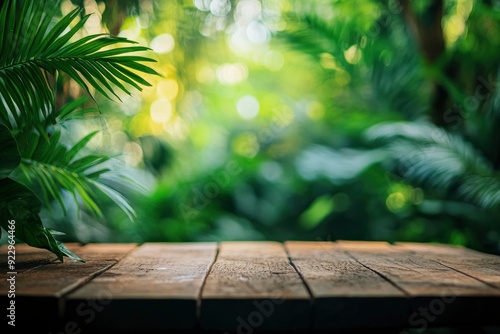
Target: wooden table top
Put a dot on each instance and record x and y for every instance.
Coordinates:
(247, 287)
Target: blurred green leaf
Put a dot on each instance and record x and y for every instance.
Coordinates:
(19, 204)
(316, 212)
(10, 154)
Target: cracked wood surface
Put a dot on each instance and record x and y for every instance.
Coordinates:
(251, 278)
(343, 288)
(250, 286)
(484, 267)
(40, 289)
(157, 284)
(439, 294)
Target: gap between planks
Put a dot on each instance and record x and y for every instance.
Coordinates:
(198, 301)
(390, 263)
(41, 287)
(343, 289)
(158, 284)
(253, 285)
(457, 298)
(480, 266)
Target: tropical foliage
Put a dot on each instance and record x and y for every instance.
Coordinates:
(36, 53)
(316, 120)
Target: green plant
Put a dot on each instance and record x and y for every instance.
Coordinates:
(405, 60)
(35, 52)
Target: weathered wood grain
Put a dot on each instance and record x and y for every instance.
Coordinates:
(484, 267)
(252, 286)
(38, 291)
(343, 289)
(28, 257)
(157, 286)
(419, 274)
(449, 295)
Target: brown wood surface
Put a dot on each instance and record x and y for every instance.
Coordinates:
(28, 257)
(343, 289)
(39, 290)
(416, 274)
(439, 294)
(484, 267)
(253, 286)
(157, 286)
(246, 287)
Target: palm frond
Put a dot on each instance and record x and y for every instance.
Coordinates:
(10, 154)
(53, 166)
(482, 190)
(429, 139)
(33, 48)
(314, 36)
(20, 205)
(433, 157)
(387, 81)
(70, 110)
(317, 27)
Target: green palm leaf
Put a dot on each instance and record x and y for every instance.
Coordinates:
(431, 156)
(53, 166)
(33, 51)
(10, 153)
(33, 48)
(20, 205)
(482, 190)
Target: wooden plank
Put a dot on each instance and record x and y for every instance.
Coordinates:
(38, 291)
(450, 296)
(484, 267)
(253, 286)
(158, 286)
(28, 257)
(412, 269)
(344, 290)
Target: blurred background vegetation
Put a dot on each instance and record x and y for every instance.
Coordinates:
(310, 120)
